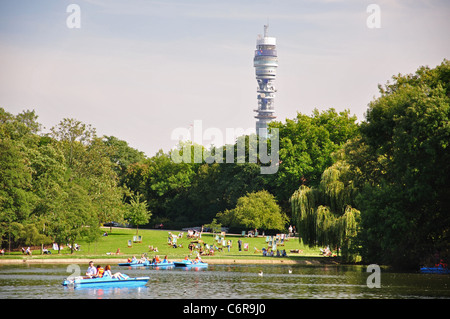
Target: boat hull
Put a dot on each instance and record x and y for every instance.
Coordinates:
(434, 270)
(106, 282)
(135, 264)
(168, 264)
(147, 264)
(189, 264)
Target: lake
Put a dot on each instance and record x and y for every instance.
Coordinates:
(32, 281)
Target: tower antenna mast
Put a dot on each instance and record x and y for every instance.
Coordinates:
(265, 63)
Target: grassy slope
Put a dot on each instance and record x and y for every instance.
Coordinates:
(118, 239)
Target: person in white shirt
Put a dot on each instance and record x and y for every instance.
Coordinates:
(91, 271)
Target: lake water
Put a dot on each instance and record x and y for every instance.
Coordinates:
(31, 281)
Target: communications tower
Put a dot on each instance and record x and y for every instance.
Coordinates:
(265, 63)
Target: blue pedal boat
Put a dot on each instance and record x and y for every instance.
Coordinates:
(106, 282)
(163, 264)
(190, 263)
(434, 270)
(147, 264)
(136, 264)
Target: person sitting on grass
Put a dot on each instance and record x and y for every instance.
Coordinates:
(264, 251)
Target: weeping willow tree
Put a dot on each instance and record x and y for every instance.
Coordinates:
(324, 215)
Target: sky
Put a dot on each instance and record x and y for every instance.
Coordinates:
(138, 70)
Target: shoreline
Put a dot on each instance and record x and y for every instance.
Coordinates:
(231, 261)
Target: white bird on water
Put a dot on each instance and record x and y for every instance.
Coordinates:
(260, 273)
(290, 271)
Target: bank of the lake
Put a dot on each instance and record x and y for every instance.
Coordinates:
(215, 261)
(119, 244)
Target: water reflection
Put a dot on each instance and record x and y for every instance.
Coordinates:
(226, 282)
(106, 293)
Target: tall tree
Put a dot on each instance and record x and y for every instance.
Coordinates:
(306, 147)
(137, 213)
(405, 199)
(324, 214)
(258, 210)
(90, 172)
(122, 155)
(73, 135)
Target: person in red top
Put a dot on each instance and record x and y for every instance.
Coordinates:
(100, 271)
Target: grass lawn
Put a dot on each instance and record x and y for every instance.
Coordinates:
(118, 239)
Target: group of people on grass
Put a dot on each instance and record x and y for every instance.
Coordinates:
(271, 253)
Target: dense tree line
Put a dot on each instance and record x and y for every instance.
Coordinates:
(68, 182)
(401, 164)
(391, 183)
(187, 194)
(56, 187)
(379, 189)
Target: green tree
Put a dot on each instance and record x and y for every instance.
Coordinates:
(73, 135)
(217, 187)
(16, 197)
(324, 214)
(89, 165)
(214, 226)
(122, 155)
(306, 147)
(405, 196)
(257, 210)
(161, 182)
(30, 235)
(137, 213)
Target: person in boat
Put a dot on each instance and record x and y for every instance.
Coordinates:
(99, 271)
(197, 260)
(143, 259)
(91, 271)
(165, 260)
(134, 260)
(109, 274)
